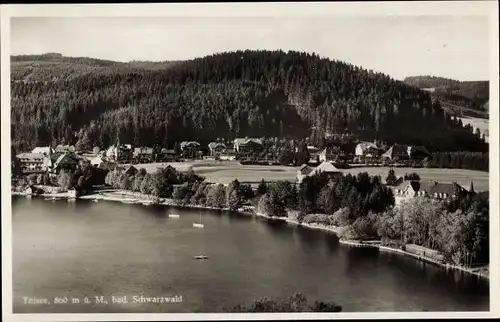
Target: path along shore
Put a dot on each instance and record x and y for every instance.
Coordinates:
(139, 198)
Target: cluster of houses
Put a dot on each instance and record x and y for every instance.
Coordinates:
(47, 160)
(43, 159)
(371, 150)
(403, 190)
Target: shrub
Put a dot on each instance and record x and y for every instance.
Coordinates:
(317, 219)
(341, 217)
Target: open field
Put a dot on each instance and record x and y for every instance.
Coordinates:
(482, 124)
(226, 171)
(461, 176)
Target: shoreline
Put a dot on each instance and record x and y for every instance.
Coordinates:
(128, 197)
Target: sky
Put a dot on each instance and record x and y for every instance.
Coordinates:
(448, 46)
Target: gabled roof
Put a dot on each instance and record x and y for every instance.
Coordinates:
(189, 144)
(396, 150)
(365, 145)
(448, 188)
(243, 141)
(326, 167)
(312, 149)
(43, 150)
(131, 169)
(415, 185)
(32, 156)
(96, 160)
(213, 145)
(64, 158)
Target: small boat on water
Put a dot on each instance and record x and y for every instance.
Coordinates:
(147, 203)
(129, 201)
(71, 199)
(201, 257)
(95, 200)
(198, 225)
(173, 216)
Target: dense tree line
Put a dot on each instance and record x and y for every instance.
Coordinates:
(460, 160)
(364, 209)
(243, 93)
(470, 94)
(295, 303)
(459, 233)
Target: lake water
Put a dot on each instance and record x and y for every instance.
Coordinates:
(87, 249)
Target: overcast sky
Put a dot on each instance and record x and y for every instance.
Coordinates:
(448, 46)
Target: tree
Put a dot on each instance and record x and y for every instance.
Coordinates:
(125, 182)
(412, 176)
(15, 166)
(200, 196)
(162, 182)
(391, 178)
(302, 156)
(233, 200)
(137, 181)
(180, 193)
(286, 156)
(147, 184)
(262, 188)
(295, 303)
(216, 196)
(63, 180)
(245, 192)
(271, 205)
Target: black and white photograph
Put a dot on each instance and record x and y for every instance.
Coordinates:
(220, 160)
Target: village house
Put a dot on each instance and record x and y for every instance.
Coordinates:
(367, 149)
(313, 154)
(143, 154)
(326, 155)
(190, 149)
(246, 148)
(216, 148)
(405, 190)
(34, 162)
(65, 162)
(166, 155)
(96, 161)
(119, 152)
(303, 172)
(443, 191)
(418, 152)
(229, 154)
(396, 153)
(325, 167)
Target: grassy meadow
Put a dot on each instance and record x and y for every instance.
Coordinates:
(226, 171)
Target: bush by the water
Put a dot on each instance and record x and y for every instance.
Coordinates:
(295, 303)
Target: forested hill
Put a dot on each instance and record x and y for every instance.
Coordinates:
(466, 98)
(61, 100)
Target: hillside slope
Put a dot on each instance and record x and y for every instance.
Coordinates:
(58, 99)
(458, 98)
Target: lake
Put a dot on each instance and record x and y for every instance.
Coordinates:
(85, 249)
